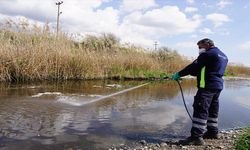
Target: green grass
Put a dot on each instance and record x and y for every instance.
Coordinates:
(243, 142)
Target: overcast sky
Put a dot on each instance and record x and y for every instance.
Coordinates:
(177, 24)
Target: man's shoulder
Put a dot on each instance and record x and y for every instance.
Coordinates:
(217, 53)
(214, 51)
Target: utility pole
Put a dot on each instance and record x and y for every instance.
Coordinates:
(155, 44)
(58, 15)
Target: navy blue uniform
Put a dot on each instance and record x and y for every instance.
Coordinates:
(209, 68)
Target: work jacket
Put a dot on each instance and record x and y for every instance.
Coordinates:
(209, 68)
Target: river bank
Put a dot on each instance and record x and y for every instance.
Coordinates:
(37, 55)
(226, 141)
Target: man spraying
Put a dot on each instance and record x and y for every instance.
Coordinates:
(209, 68)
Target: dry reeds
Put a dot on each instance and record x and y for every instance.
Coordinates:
(237, 70)
(33, 53)
(30, 53)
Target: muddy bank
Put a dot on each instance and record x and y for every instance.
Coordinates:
(226, 141)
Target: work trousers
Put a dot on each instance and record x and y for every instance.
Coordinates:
(205, 114)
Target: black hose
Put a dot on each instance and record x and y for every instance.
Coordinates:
(184, 100)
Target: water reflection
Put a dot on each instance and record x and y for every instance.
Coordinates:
(40, 114)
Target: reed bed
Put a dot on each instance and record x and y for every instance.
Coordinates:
(35, 53)
(238, 70)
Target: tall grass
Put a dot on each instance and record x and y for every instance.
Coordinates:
(238, 70)
(30, 53)
(36, 54)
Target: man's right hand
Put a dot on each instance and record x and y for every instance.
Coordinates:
(176, 76)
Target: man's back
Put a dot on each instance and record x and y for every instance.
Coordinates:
(215, 63)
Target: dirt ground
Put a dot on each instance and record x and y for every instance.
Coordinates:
(225, 142)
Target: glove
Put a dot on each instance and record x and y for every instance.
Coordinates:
(176, 76)
(163, 76)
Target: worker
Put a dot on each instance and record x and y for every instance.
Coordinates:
(208, 68)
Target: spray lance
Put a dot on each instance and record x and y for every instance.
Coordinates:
(162, 77)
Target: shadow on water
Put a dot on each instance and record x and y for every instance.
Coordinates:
(53, 115)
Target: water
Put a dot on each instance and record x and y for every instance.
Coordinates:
(99, 114)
